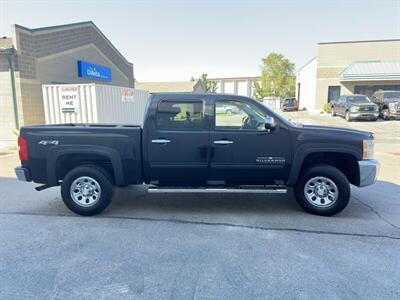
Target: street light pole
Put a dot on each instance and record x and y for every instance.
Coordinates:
(9, 52)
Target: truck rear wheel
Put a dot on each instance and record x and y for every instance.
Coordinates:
(323, 190)
(87, 190)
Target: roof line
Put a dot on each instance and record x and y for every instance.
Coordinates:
(33, 30)
(298, 70)
(234, 78)
(364, 41)
(54, 27)
(374, 60)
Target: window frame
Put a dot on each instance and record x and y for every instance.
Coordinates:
(186, 101)
(214, 126)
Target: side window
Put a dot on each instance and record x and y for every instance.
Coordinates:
(237, 115)
(180, 115)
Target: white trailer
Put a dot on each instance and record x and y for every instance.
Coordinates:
(93, 103)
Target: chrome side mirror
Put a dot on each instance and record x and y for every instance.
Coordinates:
(270, 123)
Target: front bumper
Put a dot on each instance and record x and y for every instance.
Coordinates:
(23, 174)
(394, 114)
(369, 169)
(287, 108)
(364, 115)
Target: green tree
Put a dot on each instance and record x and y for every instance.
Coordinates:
(277, 77)
(209, 85)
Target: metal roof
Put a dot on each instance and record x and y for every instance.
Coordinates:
(372, 70)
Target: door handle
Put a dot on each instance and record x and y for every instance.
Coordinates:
(161, 141)
(223, 142)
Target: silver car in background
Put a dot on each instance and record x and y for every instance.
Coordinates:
(226, 109)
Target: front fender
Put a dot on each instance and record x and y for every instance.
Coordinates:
(304, 150)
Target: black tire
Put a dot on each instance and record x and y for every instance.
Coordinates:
(347, 116)
(333, 113)
(338, 178)
(385, 114)
(101, 177)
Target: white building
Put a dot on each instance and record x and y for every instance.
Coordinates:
(306, 84)
(243, 86)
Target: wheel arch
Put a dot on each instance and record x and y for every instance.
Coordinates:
(346, 160)
(83, 155)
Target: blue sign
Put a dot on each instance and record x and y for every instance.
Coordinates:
(93, 71)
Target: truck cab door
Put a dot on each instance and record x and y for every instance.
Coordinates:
(243, 151)
(177, 142)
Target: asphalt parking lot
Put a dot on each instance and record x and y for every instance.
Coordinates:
(202, 246)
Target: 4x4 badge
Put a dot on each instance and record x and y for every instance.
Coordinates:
(48, 142)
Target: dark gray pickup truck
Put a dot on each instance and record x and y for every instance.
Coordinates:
(187, 145)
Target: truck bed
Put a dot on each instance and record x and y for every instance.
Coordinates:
(62, 145)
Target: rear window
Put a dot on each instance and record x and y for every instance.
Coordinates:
(289, 101)
(180, 115)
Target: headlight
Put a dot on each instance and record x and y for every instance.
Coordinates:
(392, 106)
(376, 108)
(354, 109)
(368, 149)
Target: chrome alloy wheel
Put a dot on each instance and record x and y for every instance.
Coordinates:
(321, 191)
(85, 191)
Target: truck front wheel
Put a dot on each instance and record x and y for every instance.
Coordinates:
(323, 190)
(348, 117)
(87, 190)
(333, 112)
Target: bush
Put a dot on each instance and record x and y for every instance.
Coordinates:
(327, 108)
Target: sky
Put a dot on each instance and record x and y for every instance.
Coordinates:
(175, 40)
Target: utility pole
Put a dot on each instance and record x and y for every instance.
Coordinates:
(9, 52)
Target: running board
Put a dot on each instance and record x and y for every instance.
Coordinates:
(218, 190)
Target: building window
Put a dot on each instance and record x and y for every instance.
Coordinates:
(242, 88)
(333, 92)
(180, 115)
(368, 90)
(229, 87)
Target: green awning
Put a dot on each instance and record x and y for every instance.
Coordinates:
(372, 70)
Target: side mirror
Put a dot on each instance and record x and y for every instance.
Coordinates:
(270, 123)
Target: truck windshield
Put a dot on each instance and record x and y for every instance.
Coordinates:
(391, 95)
(358, 99)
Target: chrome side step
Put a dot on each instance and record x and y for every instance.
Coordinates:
(218, 190)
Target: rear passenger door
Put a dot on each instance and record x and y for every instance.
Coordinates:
(178, 143)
